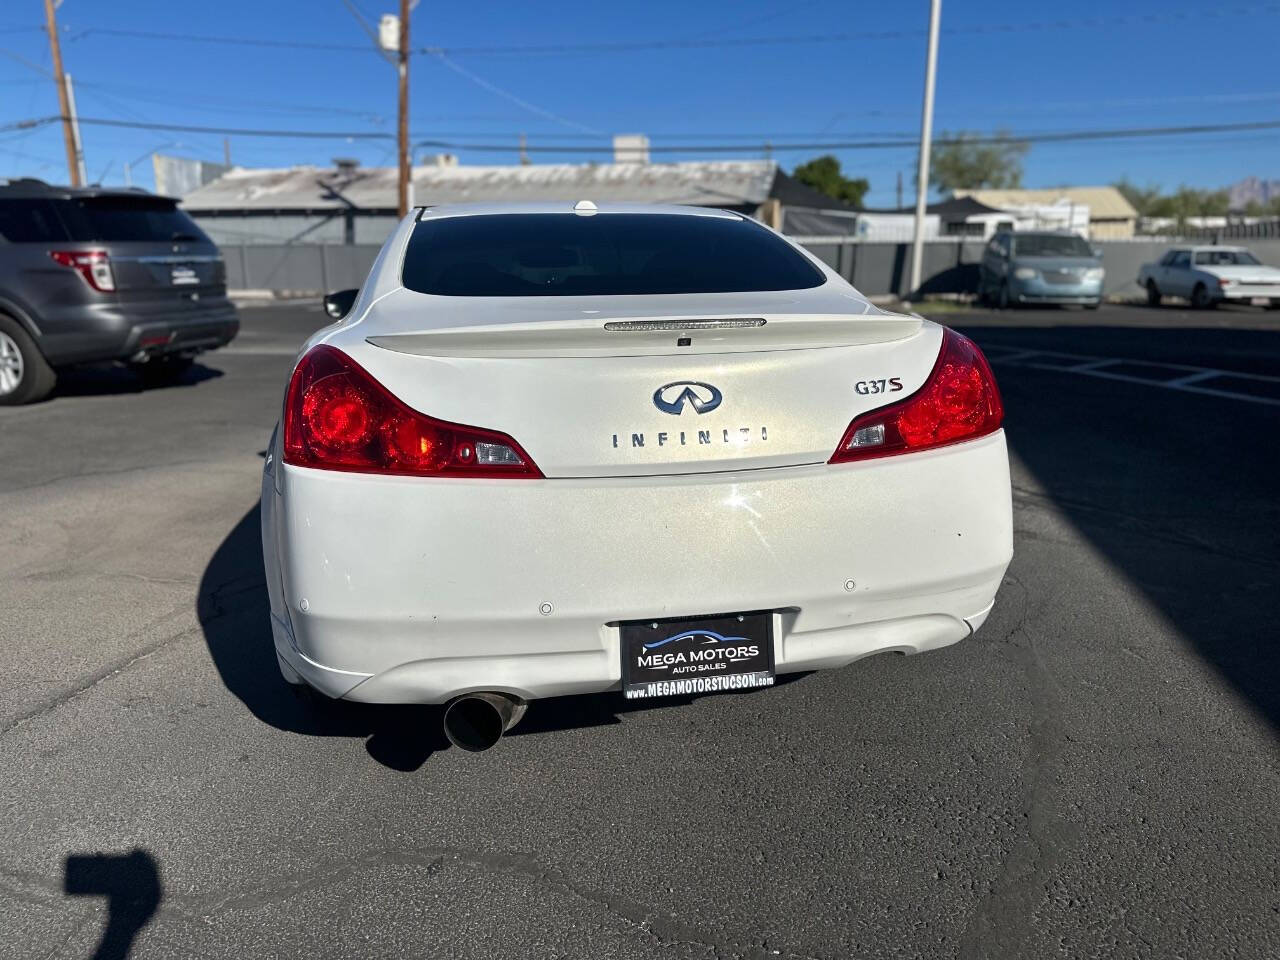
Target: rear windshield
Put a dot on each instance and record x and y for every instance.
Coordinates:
(563, 255)
(1226, 258)
(1050, 245)
(30, 221)
(125, 219)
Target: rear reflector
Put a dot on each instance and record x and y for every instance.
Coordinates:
(93, 265)
(338, 417)
(959, 401)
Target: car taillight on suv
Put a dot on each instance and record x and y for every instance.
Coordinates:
(338, 417)
(959, 401)
(93, 265)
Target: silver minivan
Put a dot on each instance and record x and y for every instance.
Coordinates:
(1040, 267)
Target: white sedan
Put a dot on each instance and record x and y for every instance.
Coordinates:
(1210, 275)
(564, 449)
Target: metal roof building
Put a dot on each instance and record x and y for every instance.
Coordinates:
(1110, 214)
(351, 204)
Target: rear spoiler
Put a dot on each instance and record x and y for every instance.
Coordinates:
(631, 336)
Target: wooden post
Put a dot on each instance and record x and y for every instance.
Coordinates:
(60, 78)
(403, 202)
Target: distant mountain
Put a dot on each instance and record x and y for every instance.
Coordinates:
(1253, 190)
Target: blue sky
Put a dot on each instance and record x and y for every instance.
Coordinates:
(1018, 66)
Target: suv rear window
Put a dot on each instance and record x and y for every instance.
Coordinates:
(124, 219)
(30, 221)
(607, 254)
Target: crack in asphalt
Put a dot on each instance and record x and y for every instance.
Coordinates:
(210, 466)
(665, 930)
(120, 664)
(1002, 922)
(91, 680)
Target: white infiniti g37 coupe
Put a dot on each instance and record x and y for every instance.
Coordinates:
(562, 449)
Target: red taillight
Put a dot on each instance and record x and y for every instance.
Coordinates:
(337, 417)
(958, 402)
(93, 265)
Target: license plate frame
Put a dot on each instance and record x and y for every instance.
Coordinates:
(183, 275)
(682, 656)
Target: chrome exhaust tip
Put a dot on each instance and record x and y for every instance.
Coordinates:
(476, 721)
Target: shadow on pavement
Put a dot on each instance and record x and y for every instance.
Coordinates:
(960, 278)
(132, 888)
(234, 613)
(1176, 490)
(606, 709)
(102, 380)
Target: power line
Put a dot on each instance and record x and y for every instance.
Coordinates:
(28, 124)
(996, 29)
(1064, 136)
(202, 38)
(511, 97)
(1001, 139)
(235, 131)
(698, 43)
(201, 102)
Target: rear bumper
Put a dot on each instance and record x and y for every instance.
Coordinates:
(408, 590)
(1035, 298)
(110, 331)
(1243, 294)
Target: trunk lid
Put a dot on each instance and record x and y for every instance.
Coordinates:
(589, 398)
(1245, 273)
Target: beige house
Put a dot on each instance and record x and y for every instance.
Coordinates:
(1110, 214)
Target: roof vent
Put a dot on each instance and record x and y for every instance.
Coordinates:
(346, 165)
(585, 208)
(630, 148)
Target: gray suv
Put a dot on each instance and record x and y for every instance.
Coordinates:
(88, 275)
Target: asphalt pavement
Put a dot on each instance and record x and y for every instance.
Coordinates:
(1094, 774)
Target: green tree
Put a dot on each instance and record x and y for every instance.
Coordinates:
(1182, 203)
(967, 164)
(1269, 209)
(1142, 199)
(823, 174)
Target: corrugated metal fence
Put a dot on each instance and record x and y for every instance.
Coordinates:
(876, 269)
(303, 268)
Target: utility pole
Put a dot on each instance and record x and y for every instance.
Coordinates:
(899, 204)
(51, 24)
(403, 67)
(926, 144)
(75, 130)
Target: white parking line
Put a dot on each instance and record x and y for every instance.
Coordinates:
(1193, 379)
(1091, 365)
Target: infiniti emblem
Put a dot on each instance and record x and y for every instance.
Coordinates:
(672, 397)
